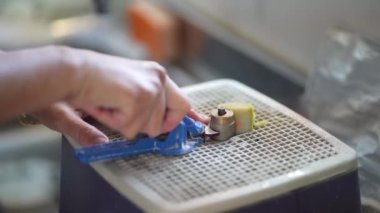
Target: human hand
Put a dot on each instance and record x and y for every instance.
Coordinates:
(62, 118)
(128, 95)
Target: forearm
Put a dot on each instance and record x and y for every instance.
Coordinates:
(33, 79)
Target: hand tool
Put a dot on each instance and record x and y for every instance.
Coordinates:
(183, 139)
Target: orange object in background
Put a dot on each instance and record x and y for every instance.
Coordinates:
(155, 28)
(191, 40)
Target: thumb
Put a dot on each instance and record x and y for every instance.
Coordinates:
(64, 119)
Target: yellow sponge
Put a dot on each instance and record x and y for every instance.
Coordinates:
(244, 115)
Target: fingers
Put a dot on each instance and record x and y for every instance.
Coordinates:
(149, 104)
(172, 119)
(136, 97)
(116, 119)
(111, 117)
(134, 119)
(140, 116)
(141, 96)
(154, 126)
(62, 118)
(198, 116)
(177, 106)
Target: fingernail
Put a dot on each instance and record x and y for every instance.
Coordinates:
(100, 140)
(204, 116)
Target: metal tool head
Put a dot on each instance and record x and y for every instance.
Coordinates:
(185, 137)
(210, 132)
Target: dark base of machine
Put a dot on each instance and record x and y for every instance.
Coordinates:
(83, 190)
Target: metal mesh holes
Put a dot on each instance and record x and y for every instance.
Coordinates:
(282, 146)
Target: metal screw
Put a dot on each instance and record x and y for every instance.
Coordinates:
(221, 111)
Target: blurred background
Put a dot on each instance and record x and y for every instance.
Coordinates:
(302, 53)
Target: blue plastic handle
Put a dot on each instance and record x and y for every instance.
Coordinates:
(176, 143)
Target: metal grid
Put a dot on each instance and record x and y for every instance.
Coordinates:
(282, 146)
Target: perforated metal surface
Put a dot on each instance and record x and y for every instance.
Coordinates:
(280, 148)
